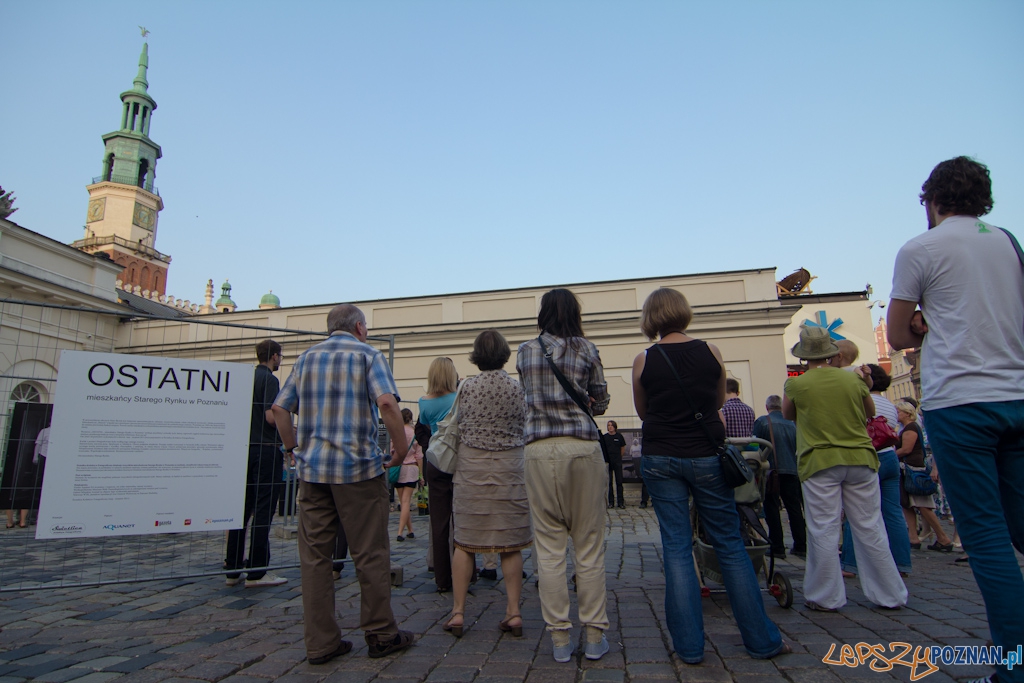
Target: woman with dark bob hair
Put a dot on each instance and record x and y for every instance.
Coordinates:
(489, 501)
(679, 462)
(566, 475)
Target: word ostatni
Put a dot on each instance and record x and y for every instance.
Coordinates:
(922, 660)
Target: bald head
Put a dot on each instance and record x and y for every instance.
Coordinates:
(345, 318)
(848, 352)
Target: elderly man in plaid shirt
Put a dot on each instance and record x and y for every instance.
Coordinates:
(337, 388)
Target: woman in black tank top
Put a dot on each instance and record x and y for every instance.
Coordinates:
(680, 461)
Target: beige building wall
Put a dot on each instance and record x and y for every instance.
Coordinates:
(852, 308)
(739, 311)
(902, 378)
(36, 269)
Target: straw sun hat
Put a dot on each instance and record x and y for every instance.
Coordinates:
(815, 343)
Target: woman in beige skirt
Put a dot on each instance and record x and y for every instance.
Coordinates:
(491, 511)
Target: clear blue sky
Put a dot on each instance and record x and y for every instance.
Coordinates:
(341, 151)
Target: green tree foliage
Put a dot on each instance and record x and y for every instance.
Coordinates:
(6, 199)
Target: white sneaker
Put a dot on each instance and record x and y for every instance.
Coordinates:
(228, 581)
(268, 579)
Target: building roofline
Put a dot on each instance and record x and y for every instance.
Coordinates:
(528, 288)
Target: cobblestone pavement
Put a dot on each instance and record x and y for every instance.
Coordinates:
(198, 629)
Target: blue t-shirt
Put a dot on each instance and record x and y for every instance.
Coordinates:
(433, 410)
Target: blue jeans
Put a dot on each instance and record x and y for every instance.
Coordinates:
(892, 514)
(979, 449)
(670, 482)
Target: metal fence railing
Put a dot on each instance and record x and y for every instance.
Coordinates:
(32, 336)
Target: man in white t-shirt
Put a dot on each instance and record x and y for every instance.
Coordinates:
(966, 276)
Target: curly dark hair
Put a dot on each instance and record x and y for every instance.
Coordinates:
(959, 187)
(880, 379)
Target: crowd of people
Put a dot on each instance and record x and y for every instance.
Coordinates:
(534, 471)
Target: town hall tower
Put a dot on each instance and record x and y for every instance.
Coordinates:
(124, 203)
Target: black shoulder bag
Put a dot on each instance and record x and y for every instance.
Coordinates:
(574, 395)
(735, 470)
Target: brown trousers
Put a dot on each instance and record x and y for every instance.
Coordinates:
(362, 511)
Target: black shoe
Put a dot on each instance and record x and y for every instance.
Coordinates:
(779, 554)
(375, 649)
(491, 574)
(344, 647)
(643, 505)
(444, 590)
(802, 554)
(622, 506)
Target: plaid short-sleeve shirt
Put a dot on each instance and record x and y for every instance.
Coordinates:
(334, 387)
(550, 410)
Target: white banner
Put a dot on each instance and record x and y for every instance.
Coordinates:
(145, 445)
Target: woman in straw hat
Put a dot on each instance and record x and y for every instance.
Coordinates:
(838, 471)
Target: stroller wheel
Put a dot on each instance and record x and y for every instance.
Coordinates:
(782, 590)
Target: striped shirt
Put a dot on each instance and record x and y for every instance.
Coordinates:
(550, 410)
(334, 387)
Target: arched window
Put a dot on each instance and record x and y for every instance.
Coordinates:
(144, 280)
(143, 171)
(108, 167)
(26, 393)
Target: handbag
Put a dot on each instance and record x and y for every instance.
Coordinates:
(735, 470)
(917, 481)
(574, 395)
(393, 473)
(443, 450)
(882, 435)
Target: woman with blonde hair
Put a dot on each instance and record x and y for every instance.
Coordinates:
(566, 475)
(442, 383)
(492, 514)
(911, 453)
(677, 383)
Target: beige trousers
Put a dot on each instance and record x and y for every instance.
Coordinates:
(566, 481)
(362, 511)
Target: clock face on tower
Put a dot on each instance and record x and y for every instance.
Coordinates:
(96, 209)
(144, 217)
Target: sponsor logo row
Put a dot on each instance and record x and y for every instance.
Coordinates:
(77, 529)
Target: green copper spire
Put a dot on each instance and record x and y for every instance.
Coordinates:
(225, 297)
(141, 84)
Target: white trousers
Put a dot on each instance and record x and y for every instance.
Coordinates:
(826, 494)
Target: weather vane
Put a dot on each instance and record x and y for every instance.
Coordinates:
(144, 31)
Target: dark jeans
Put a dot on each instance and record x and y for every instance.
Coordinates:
(615, 472)
(672, 481)
(793, 499)
(439, 500)
(979, 448)
(264, 471)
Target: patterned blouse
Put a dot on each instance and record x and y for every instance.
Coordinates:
(492, 412)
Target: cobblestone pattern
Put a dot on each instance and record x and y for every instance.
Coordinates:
(200, 630)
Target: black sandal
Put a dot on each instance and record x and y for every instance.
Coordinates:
(455, 630)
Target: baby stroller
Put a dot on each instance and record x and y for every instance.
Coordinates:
(749, 502)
